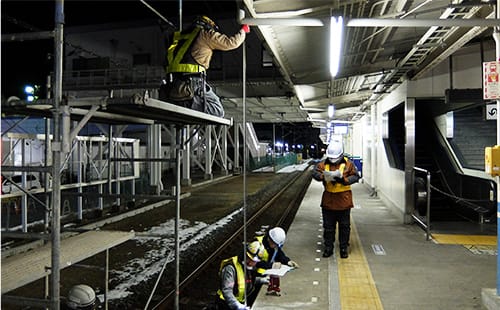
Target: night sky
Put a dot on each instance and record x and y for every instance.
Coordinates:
(31, 61)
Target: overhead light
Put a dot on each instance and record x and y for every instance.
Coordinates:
(331, 110)
(336, 29)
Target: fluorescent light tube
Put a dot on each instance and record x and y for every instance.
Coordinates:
(336, 29)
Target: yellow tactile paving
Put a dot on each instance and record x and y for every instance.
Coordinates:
(357, 288)
(465, 239)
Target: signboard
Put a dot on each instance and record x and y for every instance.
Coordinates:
(491, 111)
(491, 84)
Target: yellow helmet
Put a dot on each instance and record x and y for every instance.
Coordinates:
(206, 23)
(254, 251)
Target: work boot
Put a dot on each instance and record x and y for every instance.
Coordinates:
(344, 253)
(327, 252)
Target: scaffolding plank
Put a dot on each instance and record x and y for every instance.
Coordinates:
(22, 269)
(134, 109)
(162, 111)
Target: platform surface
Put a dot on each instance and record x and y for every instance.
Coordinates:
(391, 265)
(25, 268)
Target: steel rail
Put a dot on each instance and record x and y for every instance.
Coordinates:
(193, 275)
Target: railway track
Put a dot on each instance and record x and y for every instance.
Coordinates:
(272, 199)
(198, 288)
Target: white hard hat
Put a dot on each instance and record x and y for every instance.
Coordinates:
(278, 235)
(254, 251)
(81, 296)
(335, 150)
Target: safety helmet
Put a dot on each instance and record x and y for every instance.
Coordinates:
(254, 251)
(81, 296)
(335, 150)
(206, 23)
(278, 235)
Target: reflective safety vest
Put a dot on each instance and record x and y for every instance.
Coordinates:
(239, 289)
(337, 187)
(264, 255)
(176, 52)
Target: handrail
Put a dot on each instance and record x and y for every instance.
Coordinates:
(427, 224)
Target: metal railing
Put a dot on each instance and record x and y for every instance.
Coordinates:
(426, 224)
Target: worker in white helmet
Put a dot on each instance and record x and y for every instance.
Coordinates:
(273, 256)
(337, 172)
(237, 274)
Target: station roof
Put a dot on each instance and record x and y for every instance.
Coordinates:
(383, 43)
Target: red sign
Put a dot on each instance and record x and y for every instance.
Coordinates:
(491, 84)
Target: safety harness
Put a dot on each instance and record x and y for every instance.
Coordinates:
(176, 52)
(337, 187)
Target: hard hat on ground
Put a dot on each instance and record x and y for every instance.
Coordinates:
(335, 150)
(254, 251)
(205, 22)
(81, 296)
(277, 235)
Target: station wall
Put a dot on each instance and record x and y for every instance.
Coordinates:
(461, 70)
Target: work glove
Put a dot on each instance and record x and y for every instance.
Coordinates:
(276, 265)
(243, 307)
(263, 280)
(245, 28)
(336, 174)
(328, 176)
(293, 264)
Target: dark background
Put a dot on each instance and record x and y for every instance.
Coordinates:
(30, 62)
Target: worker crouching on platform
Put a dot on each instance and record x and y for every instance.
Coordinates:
(237, 283)
(273, 256)
(337, 173)
(188, 59)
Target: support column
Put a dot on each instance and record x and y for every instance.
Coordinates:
(186, 161)
(225, 168)
(154, 146)
(236, 138)
(373, 154)
(208, 153)
(79, 176)
(409, 159)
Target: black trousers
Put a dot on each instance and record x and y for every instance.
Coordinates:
(330, 220)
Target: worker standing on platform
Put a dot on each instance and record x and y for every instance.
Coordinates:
(235, 279)
(337, 173)
(188, 58)
(273, 256)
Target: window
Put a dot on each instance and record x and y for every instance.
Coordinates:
(394, 143)
(267, 59)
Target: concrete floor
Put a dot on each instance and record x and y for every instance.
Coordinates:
(405, 271)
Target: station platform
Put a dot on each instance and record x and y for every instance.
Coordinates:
(390, 266)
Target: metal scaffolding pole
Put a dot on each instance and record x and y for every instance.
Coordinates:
(57, 151)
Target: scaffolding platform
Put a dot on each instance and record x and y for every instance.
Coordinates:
(134, 109)
(19, 270)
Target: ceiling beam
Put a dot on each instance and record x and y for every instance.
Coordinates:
(426, 23)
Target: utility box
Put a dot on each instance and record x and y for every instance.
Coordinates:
(492, 160)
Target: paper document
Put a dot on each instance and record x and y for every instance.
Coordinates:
(328, 176)
(279, 271)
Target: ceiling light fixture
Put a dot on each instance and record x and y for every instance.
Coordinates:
(331, 110)
(336, 29)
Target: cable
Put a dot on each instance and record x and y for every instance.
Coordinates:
(461, 199)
